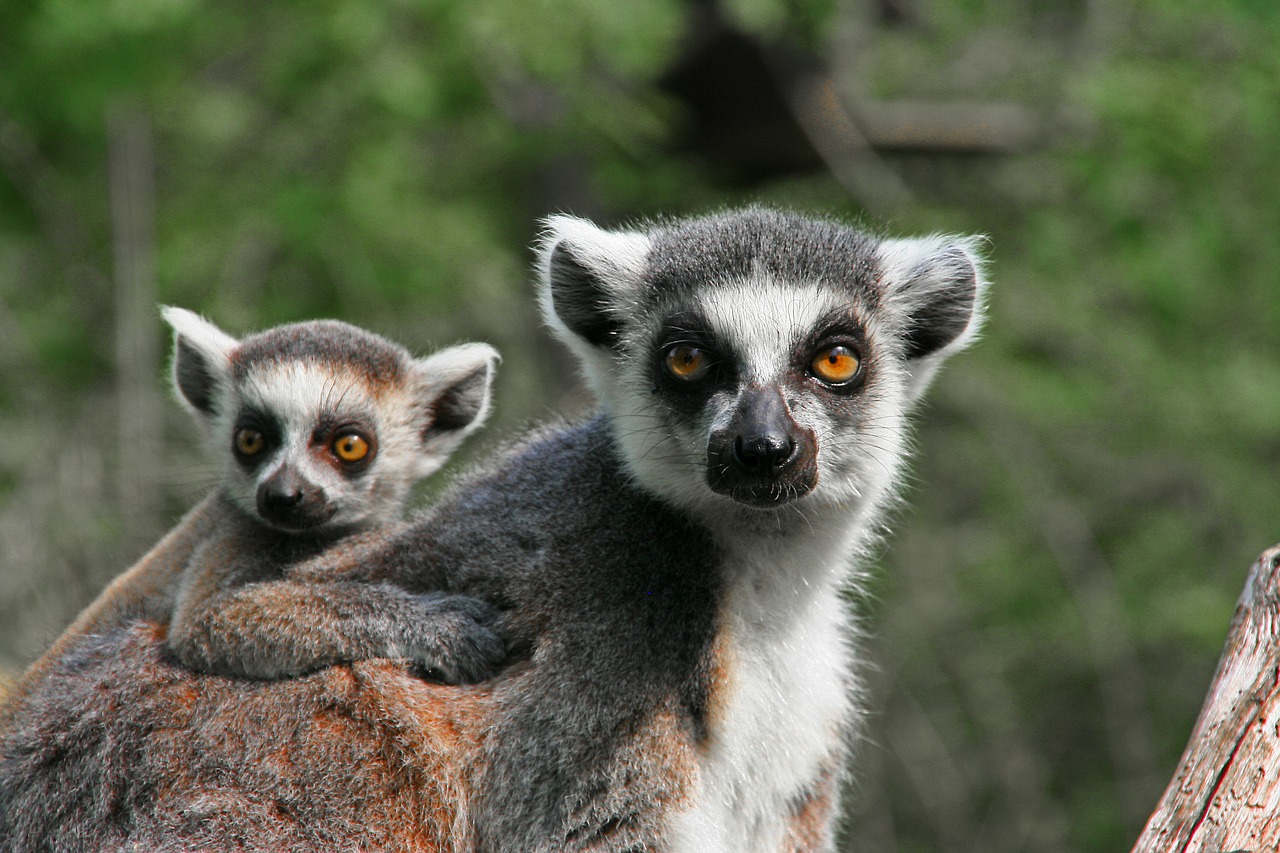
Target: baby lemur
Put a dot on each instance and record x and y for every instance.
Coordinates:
(321, 429)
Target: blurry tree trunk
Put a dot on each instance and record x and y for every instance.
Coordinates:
(1225, 794)
(131, 178)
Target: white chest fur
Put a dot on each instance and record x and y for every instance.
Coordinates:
(783, 702)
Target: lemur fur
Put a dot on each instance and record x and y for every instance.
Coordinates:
(669, 574)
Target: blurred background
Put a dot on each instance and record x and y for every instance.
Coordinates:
(1091, 482)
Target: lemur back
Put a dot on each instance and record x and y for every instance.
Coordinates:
(669, 574)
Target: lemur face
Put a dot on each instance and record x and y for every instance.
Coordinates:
(315, 447)
(756, 384)
(324, 427)
(759, 360)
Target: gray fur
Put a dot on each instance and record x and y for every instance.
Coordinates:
(658, 695)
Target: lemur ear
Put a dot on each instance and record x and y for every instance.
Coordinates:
(201, 360)
(454, 389)
(934, 286)
(587, 278)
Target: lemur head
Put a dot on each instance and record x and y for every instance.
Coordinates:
(758, 359)
(325, 426)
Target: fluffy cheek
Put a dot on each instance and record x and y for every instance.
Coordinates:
(665, 448)
(860, 457)
(241, 488)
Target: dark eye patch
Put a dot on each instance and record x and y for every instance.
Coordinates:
(260, 422)
(691, 330)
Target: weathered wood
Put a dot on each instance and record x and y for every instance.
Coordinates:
(1225, 794)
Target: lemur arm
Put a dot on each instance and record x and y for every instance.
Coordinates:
(405, 555)
(244, 615)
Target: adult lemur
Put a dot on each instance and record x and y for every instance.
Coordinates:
(669, 571)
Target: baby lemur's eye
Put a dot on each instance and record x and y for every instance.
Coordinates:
(250, 442)
(688, 364)
(351, 447)
(835, 365)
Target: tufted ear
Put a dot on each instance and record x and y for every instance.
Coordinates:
(934, 287)
(454, 390)
(587, 278)
(201, 361)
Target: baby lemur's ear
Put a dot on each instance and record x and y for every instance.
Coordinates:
(454, 390)
(934, 288)
(587, 280)
(201, 360)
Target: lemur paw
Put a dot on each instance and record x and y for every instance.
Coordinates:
(455, 643)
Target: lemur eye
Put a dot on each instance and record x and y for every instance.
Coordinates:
(250, 442)
(835, 365)
(351, 447)
(688, 364)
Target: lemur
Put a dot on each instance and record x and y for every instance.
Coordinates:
(669, 575)
(320, 429)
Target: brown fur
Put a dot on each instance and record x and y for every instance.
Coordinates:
(810, 826)
(363, 758)
(371, 756)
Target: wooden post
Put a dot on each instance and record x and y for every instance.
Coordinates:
(1225, 794)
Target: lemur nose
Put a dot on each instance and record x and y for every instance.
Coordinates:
(287, 498)
(763, 454)
(279, 498)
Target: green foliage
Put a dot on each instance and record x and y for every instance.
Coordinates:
(1098, 466)
(1092, 480)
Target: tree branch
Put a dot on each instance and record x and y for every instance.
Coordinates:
(1225, 794)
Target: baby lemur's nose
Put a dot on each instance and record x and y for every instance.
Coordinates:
(274, 499)
(288, 499)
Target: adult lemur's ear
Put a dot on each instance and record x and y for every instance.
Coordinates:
(587, 278)
(201, 360)
(454, 391)
(934, 287)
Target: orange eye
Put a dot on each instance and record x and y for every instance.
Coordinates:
(351, 447)
(250, 442)
(688, 364)
(835, 365)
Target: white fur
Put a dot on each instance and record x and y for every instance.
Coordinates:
(434, 375)
(787, 702)
(294, 392)
(619, 255)
(913, 269)
(786, 705)
(207, 339)
(202, 334)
